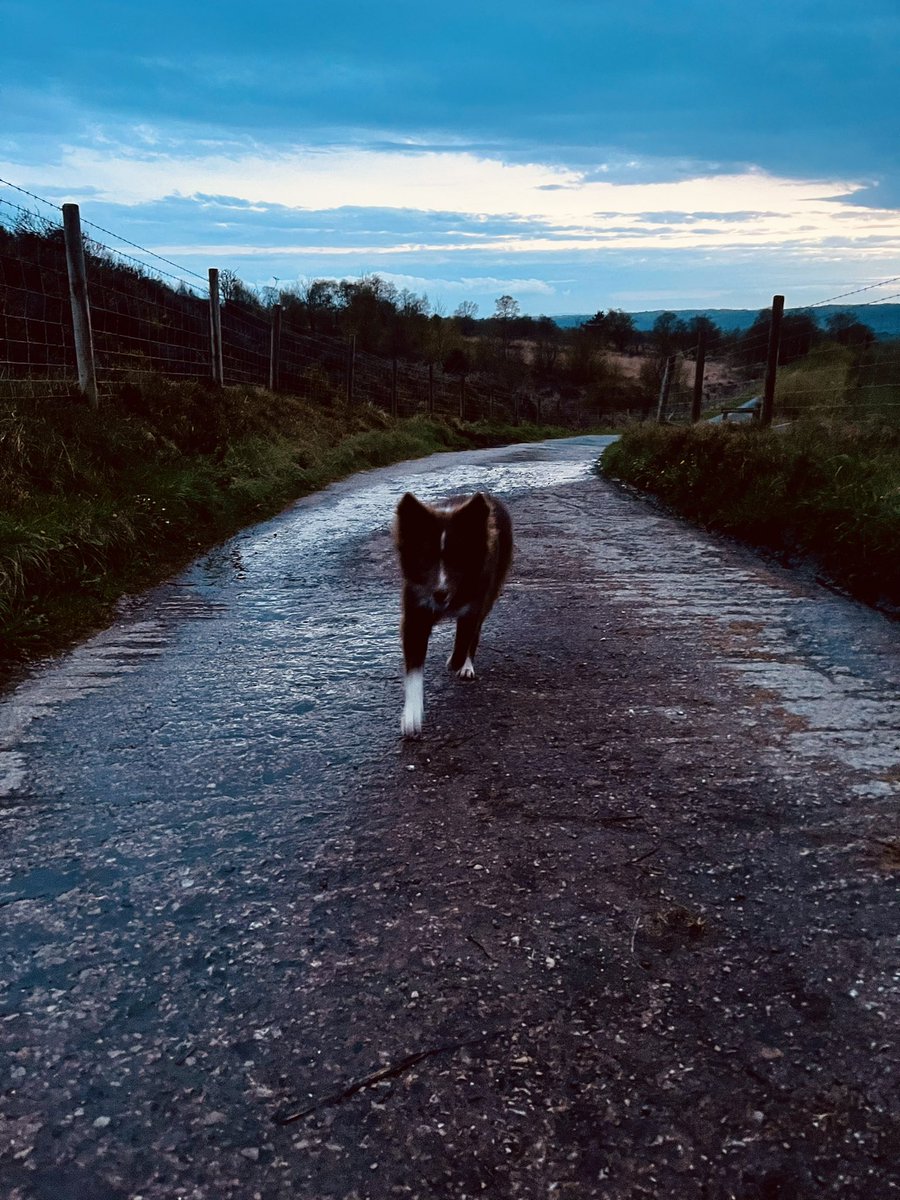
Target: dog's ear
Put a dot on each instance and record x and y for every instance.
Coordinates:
(411, 512)
(475, 511)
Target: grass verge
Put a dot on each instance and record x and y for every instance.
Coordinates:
(825, 491)
(94, 505)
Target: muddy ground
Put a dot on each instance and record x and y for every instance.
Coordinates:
(623, 923)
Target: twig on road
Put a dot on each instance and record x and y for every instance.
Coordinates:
(483, 949)
(628, 862)
(634, 931)
(389, 1072)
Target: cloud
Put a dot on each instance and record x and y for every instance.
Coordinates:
(509, 207)
(450, 220)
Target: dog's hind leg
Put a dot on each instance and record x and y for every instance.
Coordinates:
(462, 660)
(417, 626)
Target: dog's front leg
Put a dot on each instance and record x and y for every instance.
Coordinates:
(416, 630)
(462, 660)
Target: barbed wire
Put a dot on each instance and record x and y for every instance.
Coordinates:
(144, 250)
(112, 250)
(32, 195)
(856, 292)
(27, 212)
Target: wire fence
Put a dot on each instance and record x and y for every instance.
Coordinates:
(819, 377)
(149, 315)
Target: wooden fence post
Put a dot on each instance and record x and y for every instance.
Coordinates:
(697, 400)
(275, 349)
(351, 366)
(81, 312)
(666, 387)
(462, 397)
(431, 389)
(768, 404)
(215, 328)
(394, 386)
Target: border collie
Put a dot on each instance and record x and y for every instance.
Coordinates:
(454, 559)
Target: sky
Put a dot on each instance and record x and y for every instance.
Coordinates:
(580, 155)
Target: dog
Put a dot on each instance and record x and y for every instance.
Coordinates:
(454, 561)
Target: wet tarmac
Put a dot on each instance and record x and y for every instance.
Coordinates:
(223, 874)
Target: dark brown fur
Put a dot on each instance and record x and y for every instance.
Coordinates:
(454, 561)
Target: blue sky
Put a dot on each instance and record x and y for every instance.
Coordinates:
(579, 155)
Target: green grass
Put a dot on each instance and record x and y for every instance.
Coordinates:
(825, 490)
(93, 505)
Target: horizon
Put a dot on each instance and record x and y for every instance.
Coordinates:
(577, 160)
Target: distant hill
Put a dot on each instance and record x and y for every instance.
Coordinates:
(882, 319)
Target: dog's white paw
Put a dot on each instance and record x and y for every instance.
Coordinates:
(467, 670)
(414, 705)
(410, 725)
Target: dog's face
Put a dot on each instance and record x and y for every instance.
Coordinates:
(443, 552)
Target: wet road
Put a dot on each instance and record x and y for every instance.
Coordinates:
(254, 681)
(204, 808)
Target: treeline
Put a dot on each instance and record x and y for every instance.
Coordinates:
(800, 334)
(515, 351)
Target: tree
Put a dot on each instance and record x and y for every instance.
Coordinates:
(321, 299)
(668, 334)
(506, 312)
(464, 316)
(844, 328)
(466, 309)
(799, 333)
(619, 327)
(596, 324)
(703, 326)
(506, 308)
(232, 288)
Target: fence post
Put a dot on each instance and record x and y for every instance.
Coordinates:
(275, 349)
(537, 407)
(431, 389)
(665, 388)
(394, 386)
(462, 397)
(215, 328)
(515, 408)
(768, 404)
(697, 401)
(351, 366)
(81, 312)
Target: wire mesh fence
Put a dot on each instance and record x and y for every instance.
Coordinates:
(149, 317)
(37, 352)
(143, 324)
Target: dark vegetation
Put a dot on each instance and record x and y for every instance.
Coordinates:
(822, 489)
